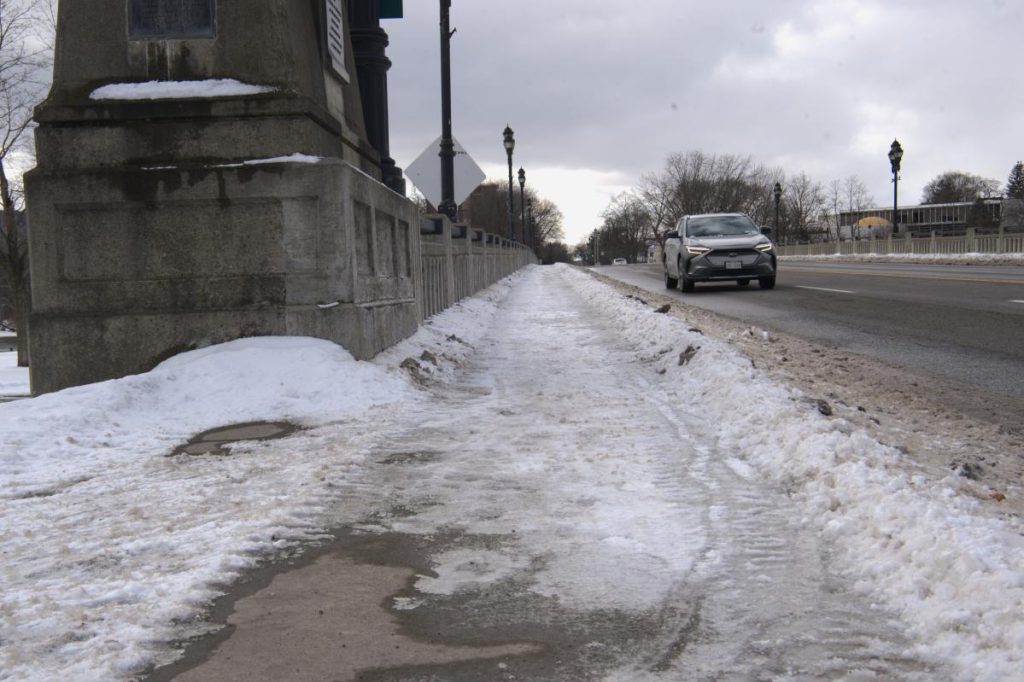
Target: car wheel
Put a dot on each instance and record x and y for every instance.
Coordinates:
(670, 282)
(742, 282)
(766, 282)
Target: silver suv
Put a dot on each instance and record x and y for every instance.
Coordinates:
(714, 247)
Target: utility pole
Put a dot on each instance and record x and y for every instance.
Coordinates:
(447, 154)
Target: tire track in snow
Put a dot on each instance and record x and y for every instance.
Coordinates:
(599, 491)
(769, 605)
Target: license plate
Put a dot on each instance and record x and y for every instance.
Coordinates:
(733, 265)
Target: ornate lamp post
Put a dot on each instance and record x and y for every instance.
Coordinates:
(510, 144)
(777, 192)
(522, 202)
(895, 157)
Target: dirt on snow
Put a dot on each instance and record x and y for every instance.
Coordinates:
(943, 428)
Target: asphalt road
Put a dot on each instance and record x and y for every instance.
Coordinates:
(959, 322)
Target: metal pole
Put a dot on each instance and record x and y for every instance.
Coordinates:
(447, 154)
(895, 200)
(522, 202)
(511, 204)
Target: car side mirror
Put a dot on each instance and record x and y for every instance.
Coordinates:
(766, 231)
(674, 234)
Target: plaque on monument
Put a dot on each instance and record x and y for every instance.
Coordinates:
(170, 19)
(335, 38)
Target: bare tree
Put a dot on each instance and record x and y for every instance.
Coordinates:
(834, 202)
(855, 196)
(487, 208)
(805, 202)
(653, 191)
(696, 182)
(626, 227)
(547, 222)
(957, 186)
(26, 42)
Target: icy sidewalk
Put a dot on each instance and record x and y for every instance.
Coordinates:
(646, 475)
(562, 467)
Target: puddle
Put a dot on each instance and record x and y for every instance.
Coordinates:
(212, 442)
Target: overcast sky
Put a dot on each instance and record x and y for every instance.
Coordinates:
(601, 91)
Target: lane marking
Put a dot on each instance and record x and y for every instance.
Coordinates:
(1012, 301)
(907, 275)
(838, 291)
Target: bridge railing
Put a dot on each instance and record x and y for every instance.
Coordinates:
(458, 261)
(1000, 243)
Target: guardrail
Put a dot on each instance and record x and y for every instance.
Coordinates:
(971, 242)
(459, 261)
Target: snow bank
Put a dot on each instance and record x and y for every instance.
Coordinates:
(956, 576)
(13, 379)
(111, 547)
(936, 258)
(202, 89)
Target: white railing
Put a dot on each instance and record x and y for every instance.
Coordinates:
(1001, 243)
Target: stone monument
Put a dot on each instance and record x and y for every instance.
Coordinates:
(204, 174)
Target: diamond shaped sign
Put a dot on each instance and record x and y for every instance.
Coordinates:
(425, 173)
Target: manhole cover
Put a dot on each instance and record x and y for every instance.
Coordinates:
(212, 442)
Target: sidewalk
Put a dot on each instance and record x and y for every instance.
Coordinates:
(549, 481)
(555, 518)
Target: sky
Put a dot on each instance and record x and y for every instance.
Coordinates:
(600, 92)
(576, 499)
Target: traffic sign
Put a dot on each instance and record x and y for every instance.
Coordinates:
(425, 173)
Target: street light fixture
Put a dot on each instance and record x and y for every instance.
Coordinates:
(895, 157)
(777, 192)
(522, 202)
(510, 144)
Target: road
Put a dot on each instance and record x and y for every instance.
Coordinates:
(958, 322)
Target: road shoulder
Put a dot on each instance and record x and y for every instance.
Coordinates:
(942, 427)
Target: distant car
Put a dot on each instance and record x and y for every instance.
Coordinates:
(714, 247)
(619, 261)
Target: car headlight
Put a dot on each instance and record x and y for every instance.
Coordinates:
(697, 250)
(764, 247)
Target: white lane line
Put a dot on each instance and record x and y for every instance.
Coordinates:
(837, 291)
(1013, 301)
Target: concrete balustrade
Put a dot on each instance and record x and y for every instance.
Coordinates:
(458, 261)
(999, 243)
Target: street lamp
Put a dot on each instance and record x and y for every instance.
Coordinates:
(510, 144)
(895, 156)
(777, 192)
(522, 202)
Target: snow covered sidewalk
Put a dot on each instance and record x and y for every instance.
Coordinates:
(614, 460)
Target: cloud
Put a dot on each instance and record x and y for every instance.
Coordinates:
(605, 90)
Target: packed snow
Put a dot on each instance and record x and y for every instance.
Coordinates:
(13, 379)
(199, 89)
(642, 455)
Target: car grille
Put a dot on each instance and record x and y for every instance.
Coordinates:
(718, 258)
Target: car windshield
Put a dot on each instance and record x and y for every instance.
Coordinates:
(721, 226)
